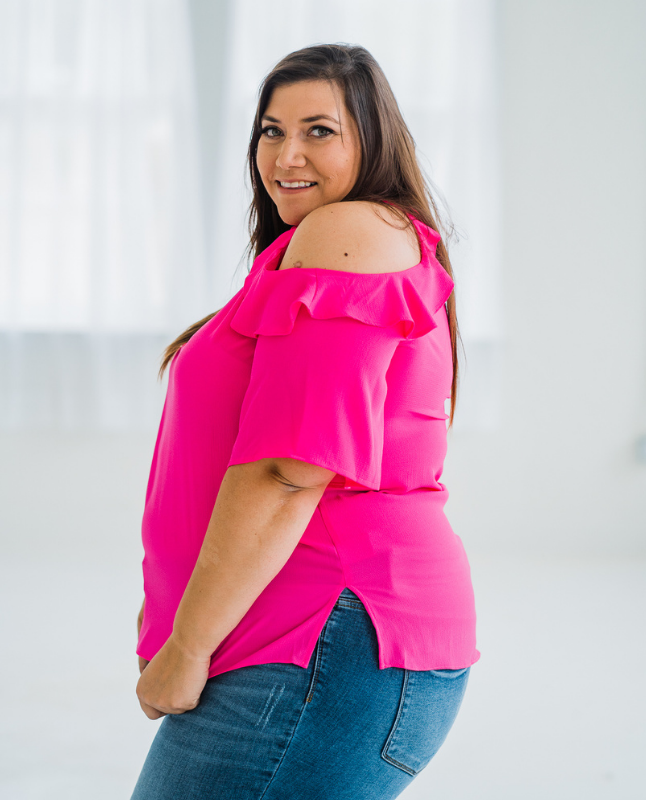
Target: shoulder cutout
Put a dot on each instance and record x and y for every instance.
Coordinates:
(356, 236)
(409, 298)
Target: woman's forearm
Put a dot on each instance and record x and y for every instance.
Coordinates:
(256, 523)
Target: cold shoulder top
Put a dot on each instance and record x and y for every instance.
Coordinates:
(348, 371)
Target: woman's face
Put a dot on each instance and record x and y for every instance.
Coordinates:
(301, 141)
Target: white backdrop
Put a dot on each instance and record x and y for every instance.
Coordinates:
(551, 507)
(108, 248)
(100, 217)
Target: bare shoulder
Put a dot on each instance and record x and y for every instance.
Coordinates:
(355, 236)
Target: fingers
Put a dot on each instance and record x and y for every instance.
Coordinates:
(150, 711)
(154, 713)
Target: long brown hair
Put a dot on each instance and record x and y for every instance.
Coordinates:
(389, 170)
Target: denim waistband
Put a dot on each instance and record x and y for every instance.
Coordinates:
(349, 595)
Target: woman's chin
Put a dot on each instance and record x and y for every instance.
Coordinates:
(291, 215)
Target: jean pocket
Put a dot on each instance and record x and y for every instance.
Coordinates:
(428, 705)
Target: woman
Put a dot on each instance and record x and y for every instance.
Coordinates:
(309, 625)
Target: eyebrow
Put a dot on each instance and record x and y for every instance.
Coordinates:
(306, 119)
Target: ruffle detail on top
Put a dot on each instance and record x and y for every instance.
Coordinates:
(411, 297)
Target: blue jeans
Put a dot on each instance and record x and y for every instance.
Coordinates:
(342, 729)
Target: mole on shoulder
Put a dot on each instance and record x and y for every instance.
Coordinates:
(345, 254)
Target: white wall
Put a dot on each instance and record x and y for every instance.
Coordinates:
(561, 474)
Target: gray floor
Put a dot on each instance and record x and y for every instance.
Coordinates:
(555, 708)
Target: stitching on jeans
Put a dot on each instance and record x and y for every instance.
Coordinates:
(317, 662)
(348, 602)
(393, 730)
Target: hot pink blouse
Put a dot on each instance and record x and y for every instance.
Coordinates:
(348, 371)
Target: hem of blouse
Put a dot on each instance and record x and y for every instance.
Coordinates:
(369, 486)
(431, 669)
(145, 655)
(311, 645)
(373, 619)
(274, 660)
(305, 665)
(309, 648)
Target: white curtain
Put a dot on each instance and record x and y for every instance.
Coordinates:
(105, 249)
(101, 256)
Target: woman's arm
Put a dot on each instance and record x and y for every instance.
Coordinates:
(261, 512)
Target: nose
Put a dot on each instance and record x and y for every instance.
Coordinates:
(290, 154)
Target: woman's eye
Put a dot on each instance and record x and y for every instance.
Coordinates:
(266, 130)
(322, 128)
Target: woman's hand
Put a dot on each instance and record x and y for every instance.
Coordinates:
(172, 681)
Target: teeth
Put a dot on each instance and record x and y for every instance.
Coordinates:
(295, 184)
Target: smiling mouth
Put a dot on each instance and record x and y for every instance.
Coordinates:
(295, 186)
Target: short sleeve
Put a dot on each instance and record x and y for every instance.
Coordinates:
(317, 394)
(324, 343)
